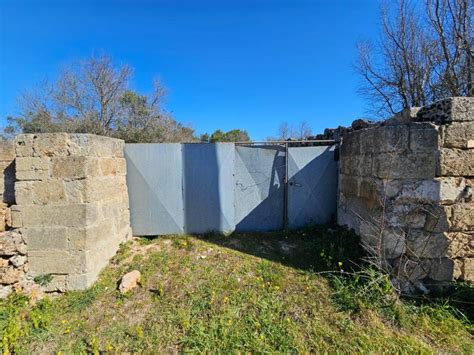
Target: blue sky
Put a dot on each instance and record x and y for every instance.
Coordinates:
(227, 64)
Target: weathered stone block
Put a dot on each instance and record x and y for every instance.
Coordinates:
(17, 221)
(40, 192)
(107, 166)
(51, 144)
(121, 166)
(5, 218)
(448, 110)
(104, 188)
(461, 244)
(98, 258)
(462, 217)
(437, 218)
(32, 163)
(388, 243)
(405, 215)
(81, 281)
(77, 215)
(456, 162)
(55, 262)
(357, 165)
(99, 235)
(74, 167)
(10, 275)
(349, 185)
(409, 269)
(367, 137)
(405, 166)
(422, 244)
(50, 238)
(18, 260)
(391, 138)
(370, 189)
(7, 151)
(32, 168)
(437, 190)
(32, 175)
(351, 144)
(458, 135)
(467, 272)
(11, 243)
(75, 190)
(57, 284)
(423, 137)
(451, 189)
(442, 269)
(419, 191)
(98, 146)
(24, 145)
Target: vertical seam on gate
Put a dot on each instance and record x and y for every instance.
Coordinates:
(285, 203)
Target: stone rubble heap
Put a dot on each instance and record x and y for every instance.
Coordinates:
(14, 266)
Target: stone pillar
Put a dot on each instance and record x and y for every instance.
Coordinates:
(406, 187)
(71, 205)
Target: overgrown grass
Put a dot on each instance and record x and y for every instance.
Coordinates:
(246, 292)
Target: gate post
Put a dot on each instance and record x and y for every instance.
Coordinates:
(71, 205)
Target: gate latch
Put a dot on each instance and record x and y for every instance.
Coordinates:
(296, 184)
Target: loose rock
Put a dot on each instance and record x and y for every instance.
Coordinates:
(5, 291)
(18, 260)
(129, 281)
(10, 276)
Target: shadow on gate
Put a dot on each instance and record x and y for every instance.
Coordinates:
(207, 187)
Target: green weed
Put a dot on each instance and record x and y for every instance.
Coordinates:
(43, 280)
(270, 292)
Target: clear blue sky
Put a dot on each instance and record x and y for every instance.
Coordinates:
(227, 64)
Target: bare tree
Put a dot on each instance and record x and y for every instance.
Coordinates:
(424, 54)
(451, 21)
(91, 91)
(287, 131)
(284, 131)
(304, 130)
(92, 96)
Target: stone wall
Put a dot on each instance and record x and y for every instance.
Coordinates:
(7, 180)
(71, 205)
(406, 188)
(13, 264)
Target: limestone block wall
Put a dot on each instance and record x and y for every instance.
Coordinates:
(71, 205)
(13, 265)
(7, 181)
(406, 188)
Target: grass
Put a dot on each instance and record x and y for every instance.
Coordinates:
(245, 292)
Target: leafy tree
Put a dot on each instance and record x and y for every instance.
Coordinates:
(424, 54)
(204, 138)
(234, 135)
(93, 96)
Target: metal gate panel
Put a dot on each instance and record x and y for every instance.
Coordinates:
(154, 180)
(198, 188)
(259, 188)
(208, 185)
(312, 187)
